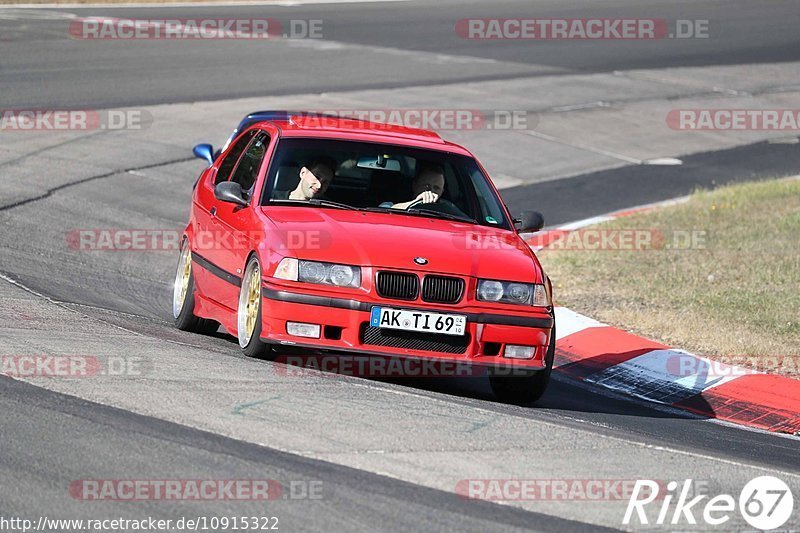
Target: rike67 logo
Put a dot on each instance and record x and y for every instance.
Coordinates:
(765, 503)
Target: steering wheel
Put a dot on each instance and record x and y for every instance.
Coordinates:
(413, 204)
(441, 206)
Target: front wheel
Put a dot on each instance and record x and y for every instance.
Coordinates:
(524, 390)
(183, 297)
(248, 327)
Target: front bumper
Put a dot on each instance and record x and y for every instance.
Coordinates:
(345, 327)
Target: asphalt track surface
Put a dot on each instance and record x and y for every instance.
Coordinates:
(85, 432)
(39, 56)
(49, 439)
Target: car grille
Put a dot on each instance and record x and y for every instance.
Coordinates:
(413, 340)
(442, 290)
(397, 285)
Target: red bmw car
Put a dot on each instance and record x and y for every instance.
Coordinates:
(336, 234)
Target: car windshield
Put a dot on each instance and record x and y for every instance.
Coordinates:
(382, 177)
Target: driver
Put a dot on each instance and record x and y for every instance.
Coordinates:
(314, 181)
(428, 186)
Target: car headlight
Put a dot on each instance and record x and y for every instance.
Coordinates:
(343, 276)
(321, 273)
(287, 269)
(313, 272)
(491, 291)
(513, 293)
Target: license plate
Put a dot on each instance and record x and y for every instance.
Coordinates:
(384, 317)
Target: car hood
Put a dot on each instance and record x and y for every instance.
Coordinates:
(394, 240)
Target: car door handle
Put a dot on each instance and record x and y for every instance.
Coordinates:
(213, 211)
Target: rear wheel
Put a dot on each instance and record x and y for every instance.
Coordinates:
(249, 312)
(523, 390)
(183, 297)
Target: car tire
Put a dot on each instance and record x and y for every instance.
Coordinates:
(524, 390)
(248, 313)
(183, 297)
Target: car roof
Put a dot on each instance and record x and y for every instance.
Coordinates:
(306, 124)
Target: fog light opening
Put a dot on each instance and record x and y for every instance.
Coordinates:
(513, 351)
(333, 333)
(301, 329)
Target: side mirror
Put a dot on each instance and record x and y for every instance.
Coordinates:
(204, 151)
(529, 221)
(231, 192)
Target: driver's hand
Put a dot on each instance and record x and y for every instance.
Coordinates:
(427, 197)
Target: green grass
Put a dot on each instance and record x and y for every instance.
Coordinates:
(738, 294)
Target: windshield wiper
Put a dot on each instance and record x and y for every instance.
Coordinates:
(417, 211)
(315, 202)
(420, 212)
(440, 214)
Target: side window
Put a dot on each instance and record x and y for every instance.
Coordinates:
(226, 167)
(247, 170)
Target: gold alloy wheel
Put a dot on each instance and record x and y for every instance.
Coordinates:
(249, 303)
(182, 276)
(252, 302)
